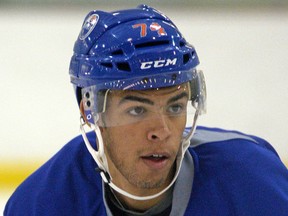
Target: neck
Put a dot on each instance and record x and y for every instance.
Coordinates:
(142, 205)
(136, 205)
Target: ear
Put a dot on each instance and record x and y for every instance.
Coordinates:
(82, 113)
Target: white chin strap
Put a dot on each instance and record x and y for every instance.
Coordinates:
(101, 160)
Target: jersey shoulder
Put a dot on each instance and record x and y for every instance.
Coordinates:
(236, 169)
(232, 147)
(67, 179)
(215, 137)
(214, 148)
(205, 135)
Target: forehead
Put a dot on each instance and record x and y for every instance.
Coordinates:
(165, 92)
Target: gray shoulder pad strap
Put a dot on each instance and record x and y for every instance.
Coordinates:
(203, 136)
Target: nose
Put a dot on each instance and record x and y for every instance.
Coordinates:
(159, 130)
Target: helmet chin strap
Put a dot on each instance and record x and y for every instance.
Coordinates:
(101, 160)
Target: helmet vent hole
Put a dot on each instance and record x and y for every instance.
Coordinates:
(151, 44)
(174, 77)
(107, 64)
(182, 43)
(124, 66)
(186, 58)
(117, 52)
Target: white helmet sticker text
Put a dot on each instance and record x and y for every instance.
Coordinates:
(158, 63)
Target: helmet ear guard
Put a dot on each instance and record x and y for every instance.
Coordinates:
(198, 92)
(92, 108)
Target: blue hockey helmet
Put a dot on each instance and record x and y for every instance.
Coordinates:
(125, 49)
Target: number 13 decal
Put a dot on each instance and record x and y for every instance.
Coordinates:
(153, 27)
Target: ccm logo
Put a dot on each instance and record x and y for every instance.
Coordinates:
(158, 63)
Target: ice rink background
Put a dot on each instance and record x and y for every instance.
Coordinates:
(243, 52)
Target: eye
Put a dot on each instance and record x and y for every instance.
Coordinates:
(136, 111)
(175, 109)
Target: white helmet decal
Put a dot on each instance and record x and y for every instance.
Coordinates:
(88, 26)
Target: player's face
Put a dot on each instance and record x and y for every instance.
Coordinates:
(142, 145)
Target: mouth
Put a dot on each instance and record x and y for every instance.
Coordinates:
(156, 157)
(155, 161)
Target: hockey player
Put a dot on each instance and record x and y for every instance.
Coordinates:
(140, 92)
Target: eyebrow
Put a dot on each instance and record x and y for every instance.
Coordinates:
(137, 99)
(149, 102)
(177, 97)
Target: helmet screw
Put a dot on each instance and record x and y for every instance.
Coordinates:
(87, 95)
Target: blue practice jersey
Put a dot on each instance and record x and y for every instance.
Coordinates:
(224, 173)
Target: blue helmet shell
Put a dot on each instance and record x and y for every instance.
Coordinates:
(128, 44)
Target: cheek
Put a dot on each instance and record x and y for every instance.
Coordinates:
(181, 123)
(122, 137)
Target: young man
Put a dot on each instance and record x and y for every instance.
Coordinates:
(139, 91)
